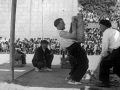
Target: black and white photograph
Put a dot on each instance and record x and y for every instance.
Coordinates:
(59, 44)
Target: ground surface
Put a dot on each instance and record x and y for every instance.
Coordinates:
(50, 80)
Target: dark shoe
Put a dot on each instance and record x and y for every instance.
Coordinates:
(101, 84)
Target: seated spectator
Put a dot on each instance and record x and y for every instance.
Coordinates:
(20, 58)
(43, 57)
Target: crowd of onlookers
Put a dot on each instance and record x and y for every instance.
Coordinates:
(28, 46)
(92, 43)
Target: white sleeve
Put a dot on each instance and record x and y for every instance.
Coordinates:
(105, 44)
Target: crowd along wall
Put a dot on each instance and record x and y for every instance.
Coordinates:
(35, 18)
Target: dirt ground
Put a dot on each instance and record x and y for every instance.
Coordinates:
(51, 80)
(56, 79)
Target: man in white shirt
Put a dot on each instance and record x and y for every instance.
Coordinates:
(67, 41)
(110, 55)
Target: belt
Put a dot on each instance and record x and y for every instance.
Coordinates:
(72, 46)
(111, 50)
(116, 49)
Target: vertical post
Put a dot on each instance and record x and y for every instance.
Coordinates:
(30, 18)
(42, 18)
(63, 54)
(118, 24)
(12, 35)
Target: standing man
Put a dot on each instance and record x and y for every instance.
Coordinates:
(43, 57)
(67, 41)
(110, 55)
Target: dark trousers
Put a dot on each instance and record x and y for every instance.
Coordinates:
(46, 63)
(81, 62)
(110, 61)
(38, 64)
(23, 59)
(49, 61)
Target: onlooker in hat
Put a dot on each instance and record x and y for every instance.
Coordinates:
(43, 57)
(110, 55)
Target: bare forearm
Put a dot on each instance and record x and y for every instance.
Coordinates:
(80, 22)
(73, 34)
(74, 29)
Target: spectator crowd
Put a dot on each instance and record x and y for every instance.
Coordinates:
(92, 43)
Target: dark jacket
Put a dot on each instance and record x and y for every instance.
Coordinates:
(40, 55)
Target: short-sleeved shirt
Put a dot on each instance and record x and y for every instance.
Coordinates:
(63, 41)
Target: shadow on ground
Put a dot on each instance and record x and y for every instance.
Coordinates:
(55, 79)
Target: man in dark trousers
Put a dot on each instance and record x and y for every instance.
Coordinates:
(110, 55)
(67, 41)
(43, 57)
(20, 56)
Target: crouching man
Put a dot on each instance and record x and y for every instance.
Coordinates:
(43, 57)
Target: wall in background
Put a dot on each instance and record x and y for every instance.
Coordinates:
(35, 18)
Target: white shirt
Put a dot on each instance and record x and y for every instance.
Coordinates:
(63, 41)
(110, 40)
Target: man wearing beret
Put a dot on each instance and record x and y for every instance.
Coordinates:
(43, 57)
(110, 55)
